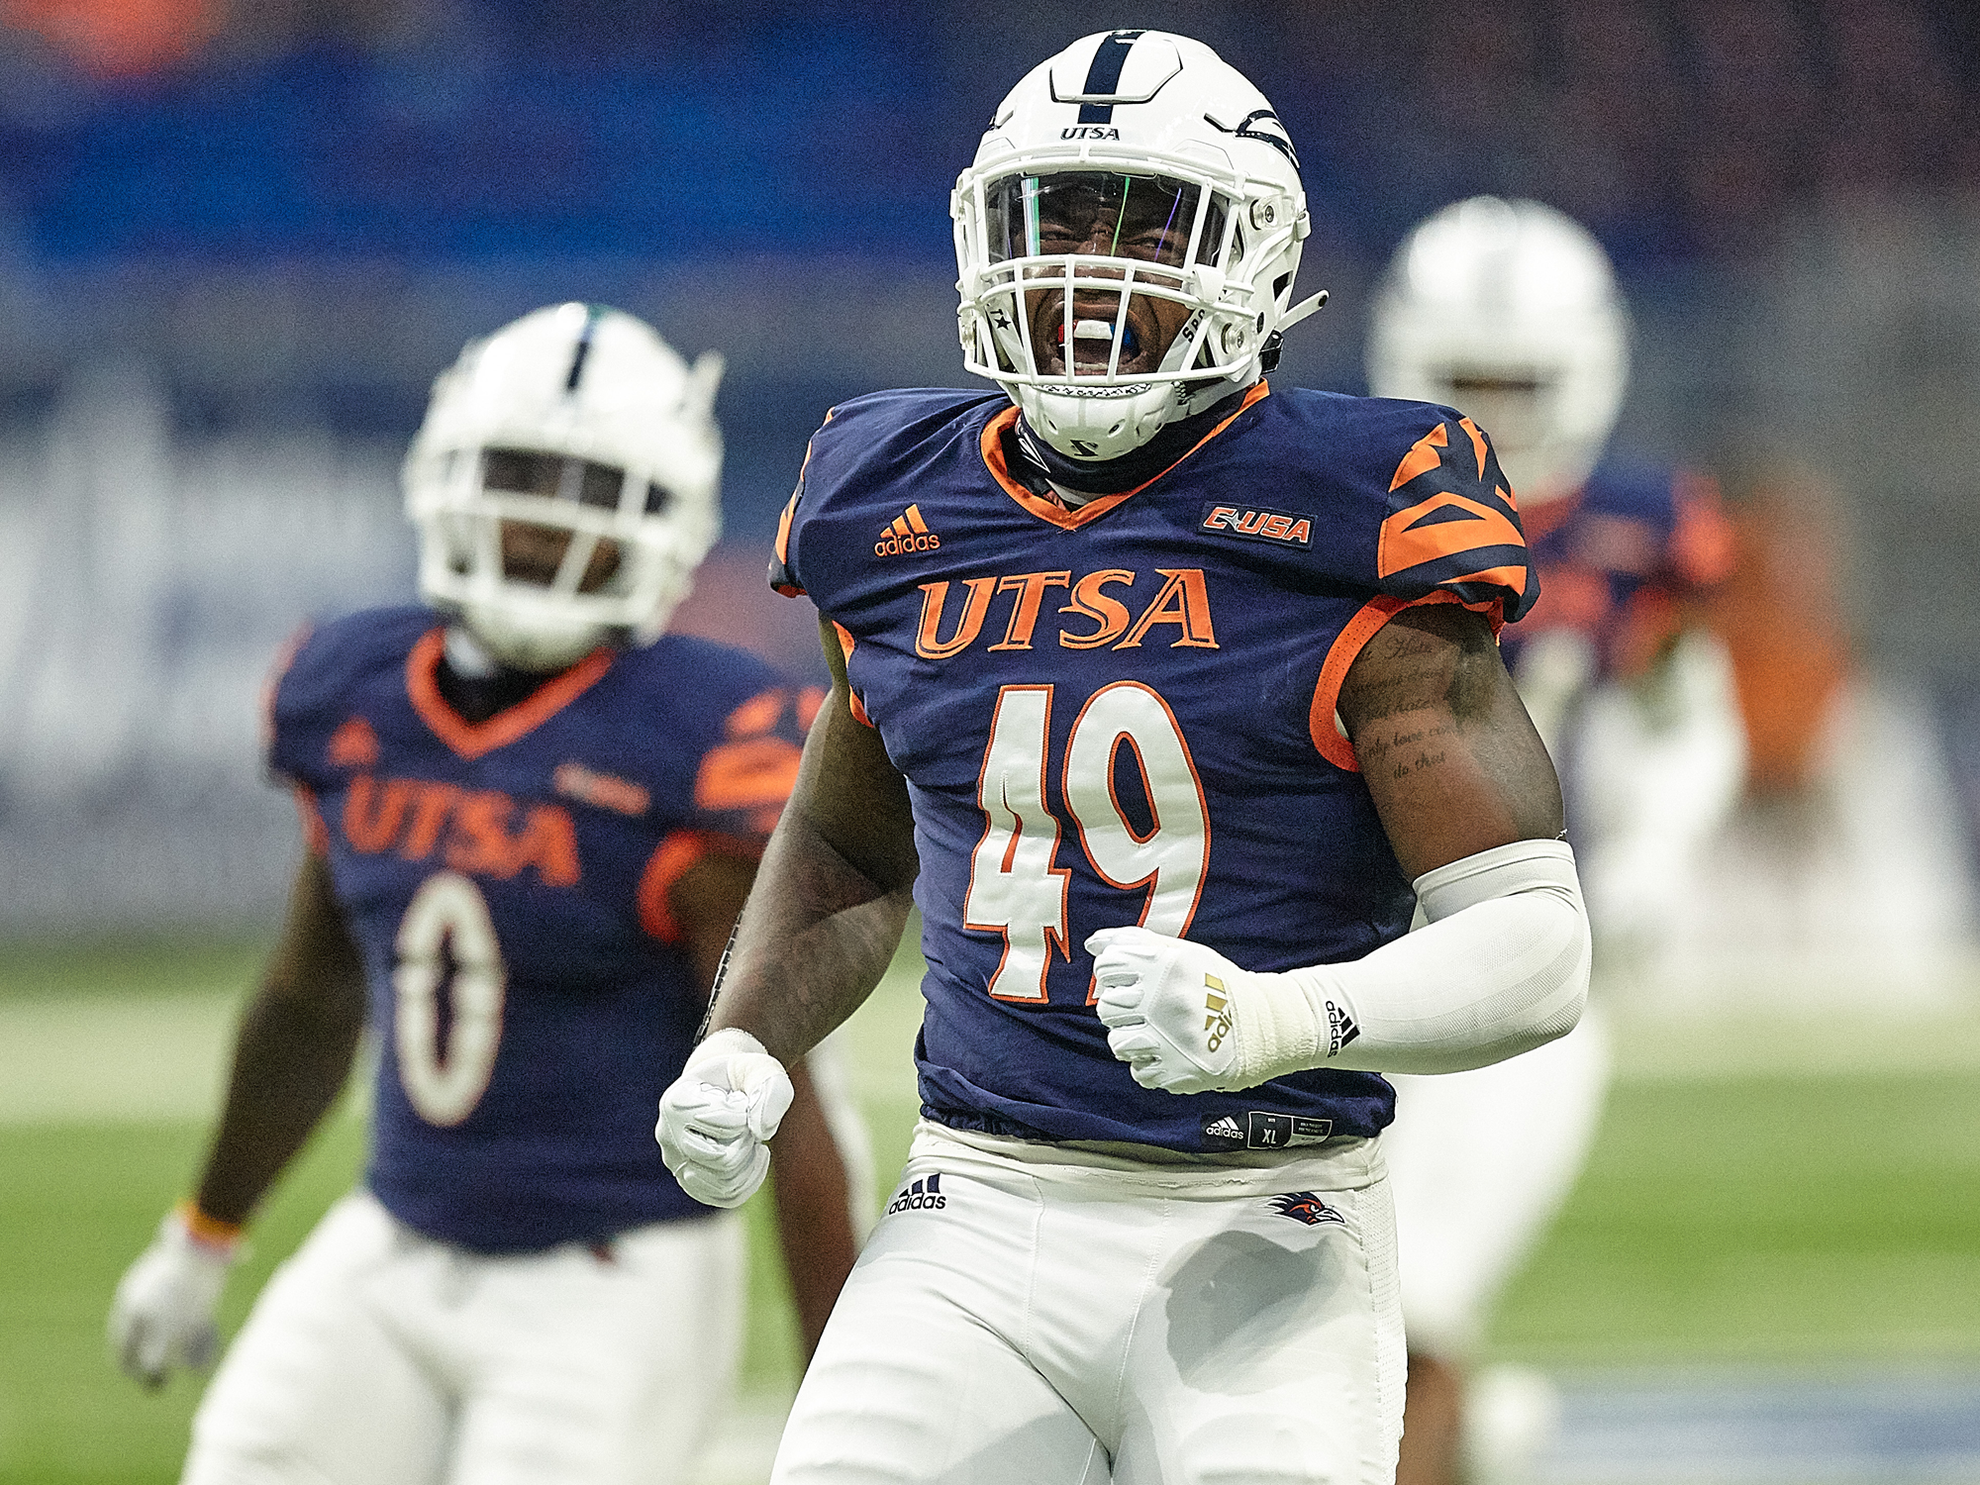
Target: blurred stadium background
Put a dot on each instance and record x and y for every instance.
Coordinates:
(237, 240)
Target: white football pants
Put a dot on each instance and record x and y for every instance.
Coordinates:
(1034, 1314)
(377, 1356)
(1479, 1162)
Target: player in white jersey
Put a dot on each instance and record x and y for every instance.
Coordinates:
(1165, 693)
(532, 815)
(1510, 311)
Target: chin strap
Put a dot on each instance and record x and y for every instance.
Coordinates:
(1136, 467)
(1268, 354)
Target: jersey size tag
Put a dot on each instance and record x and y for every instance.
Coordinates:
(1259, 1130)
(1280, 527)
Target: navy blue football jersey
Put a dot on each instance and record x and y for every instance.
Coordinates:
(507, 883)
(1125, 713)
(1619, 559)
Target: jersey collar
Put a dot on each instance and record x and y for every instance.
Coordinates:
(472, 739)
(1048, 509)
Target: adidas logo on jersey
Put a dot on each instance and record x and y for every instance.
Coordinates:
(908, 533)
(1225, 1128)
(1217, 1020)
(922, 1195)
(1340, 1028)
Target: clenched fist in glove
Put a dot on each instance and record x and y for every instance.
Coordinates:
(1186, 1019)
(719, 1114)
(162, 1316)
(1500, 967)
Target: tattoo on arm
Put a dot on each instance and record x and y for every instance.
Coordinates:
(1445, 746)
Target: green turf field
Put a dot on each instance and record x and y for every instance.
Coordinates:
(1752, 1198)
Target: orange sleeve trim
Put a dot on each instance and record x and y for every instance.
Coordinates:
(783, 546)
(472, 739)
(1048, 509)
(846, 643)
(316, 834)
(676, 855)
(784, 522)
(1348, 644)
(209, 1232)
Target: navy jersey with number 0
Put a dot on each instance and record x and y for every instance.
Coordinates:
(1125, 713)
(507, 883)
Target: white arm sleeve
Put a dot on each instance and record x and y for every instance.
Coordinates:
(1500, 968)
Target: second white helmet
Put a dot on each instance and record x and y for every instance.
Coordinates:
(1508, 311)
(581, 422)
(1127, 239)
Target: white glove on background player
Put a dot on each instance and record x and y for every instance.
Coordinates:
(1500, 967)
(162, 1315)
(716, 1118)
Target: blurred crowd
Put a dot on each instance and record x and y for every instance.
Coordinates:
(237, 241)
(1674, 128)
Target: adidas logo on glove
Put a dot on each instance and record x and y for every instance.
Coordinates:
(1217, 1020)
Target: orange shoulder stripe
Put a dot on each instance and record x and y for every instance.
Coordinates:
(1703, 543)
(749, 773)
(1411, 537)
(1422, 456)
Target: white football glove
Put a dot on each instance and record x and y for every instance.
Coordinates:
(1182, 1016)
(717, 1117)
(162, 1315)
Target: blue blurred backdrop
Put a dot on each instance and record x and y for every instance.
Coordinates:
(238, 240)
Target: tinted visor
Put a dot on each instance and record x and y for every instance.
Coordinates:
(1105, 214)
(558, 477)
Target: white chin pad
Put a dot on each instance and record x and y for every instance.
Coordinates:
(1093, 330)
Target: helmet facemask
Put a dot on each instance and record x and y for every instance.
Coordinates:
(1109, 302)
(546, 555)
(558, 511)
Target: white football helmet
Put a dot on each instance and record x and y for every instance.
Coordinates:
(579, 421)
(1508, 311)
(1134, 187)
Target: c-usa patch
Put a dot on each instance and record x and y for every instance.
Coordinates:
(1282, 528)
